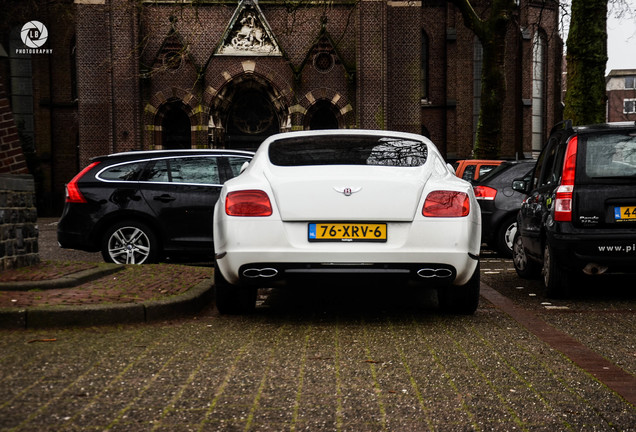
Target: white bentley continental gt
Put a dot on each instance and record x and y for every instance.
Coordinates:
(347, 202)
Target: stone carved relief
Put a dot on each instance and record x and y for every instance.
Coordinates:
(249, 34)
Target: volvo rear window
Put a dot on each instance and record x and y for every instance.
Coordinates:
(192, 170)
(236, 164)
(610, 155)
(348, 150)
(128, 171)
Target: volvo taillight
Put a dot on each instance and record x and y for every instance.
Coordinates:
(73, 193)
(446, 204)
(565, 192)
(485, 193)
(248, 203)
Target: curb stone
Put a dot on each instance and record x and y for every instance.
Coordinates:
(68, 281)
(192, 301)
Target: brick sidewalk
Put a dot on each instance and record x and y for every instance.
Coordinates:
(44, 271)
(133, 284)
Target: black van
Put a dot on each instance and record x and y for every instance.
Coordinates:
(580, 213)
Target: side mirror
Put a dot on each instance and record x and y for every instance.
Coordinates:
(521, 185)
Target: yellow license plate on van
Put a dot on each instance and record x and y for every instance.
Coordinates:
(625, 213)
(348, 232)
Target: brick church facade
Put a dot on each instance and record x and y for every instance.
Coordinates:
(158, 74)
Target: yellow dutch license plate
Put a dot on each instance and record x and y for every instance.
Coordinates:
(348, 232)
(625, 213)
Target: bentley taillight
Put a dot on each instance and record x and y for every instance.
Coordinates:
(73, 193)
(248, 203)
(565, 192)
(446, 204)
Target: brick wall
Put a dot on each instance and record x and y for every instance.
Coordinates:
(18, 215)
(404, 56)
(11, 156)
(617, 92)
(374, 84)
(124, 90)
(615, 105)
(48, 120)
(372, 65)
(18, 222)
(94, 81)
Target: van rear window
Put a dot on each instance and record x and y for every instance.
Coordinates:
(610, 155)
(348, 150)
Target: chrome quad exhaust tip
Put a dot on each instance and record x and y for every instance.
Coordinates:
(254, 273)
(431, 273)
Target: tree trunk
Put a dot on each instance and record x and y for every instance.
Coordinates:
(585, 98)
(493, 92)
(491, 32)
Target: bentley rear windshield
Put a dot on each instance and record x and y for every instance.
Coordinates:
(348, 150)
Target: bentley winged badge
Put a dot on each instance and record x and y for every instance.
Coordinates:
(347, 191)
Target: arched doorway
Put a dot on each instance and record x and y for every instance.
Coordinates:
(322, 115)
(251, 117)
(175, 127)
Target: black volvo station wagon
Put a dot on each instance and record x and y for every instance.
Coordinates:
(138, 207)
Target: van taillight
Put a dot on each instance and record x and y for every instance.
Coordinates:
(565, 192)
(248, 203)
(73, 194)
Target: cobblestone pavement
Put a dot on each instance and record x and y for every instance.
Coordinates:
(49, 249)
(333, 362)
(355, 358)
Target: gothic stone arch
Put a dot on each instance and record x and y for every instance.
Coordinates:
(157, 108)
(317, 100)
(272, 106)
